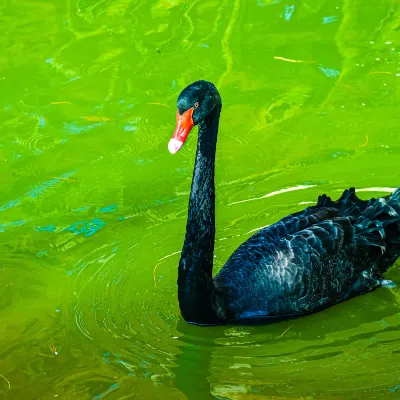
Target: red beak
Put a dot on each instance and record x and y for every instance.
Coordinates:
(184, 124)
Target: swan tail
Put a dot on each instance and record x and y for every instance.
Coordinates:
(349, 205)
(394, 200)
(325, 201)
(379, 226)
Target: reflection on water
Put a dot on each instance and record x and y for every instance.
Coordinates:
(93, 207)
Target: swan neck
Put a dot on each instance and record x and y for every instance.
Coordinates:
(196, 290)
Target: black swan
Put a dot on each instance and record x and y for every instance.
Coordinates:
(304, 263)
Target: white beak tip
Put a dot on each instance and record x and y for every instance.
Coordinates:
(174, 146)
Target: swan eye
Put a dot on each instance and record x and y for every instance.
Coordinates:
(196, 105)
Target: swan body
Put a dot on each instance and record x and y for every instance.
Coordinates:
(306, 262)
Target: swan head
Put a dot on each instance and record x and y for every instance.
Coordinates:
(194, 105)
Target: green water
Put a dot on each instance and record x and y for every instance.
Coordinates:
(93, 207)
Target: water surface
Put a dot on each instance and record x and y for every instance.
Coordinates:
(93, 207)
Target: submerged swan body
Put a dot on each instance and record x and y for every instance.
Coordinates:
(306, 262)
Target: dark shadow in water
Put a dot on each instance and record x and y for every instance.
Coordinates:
(193, 363)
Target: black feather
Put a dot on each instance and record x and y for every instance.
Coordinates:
(313, 259)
